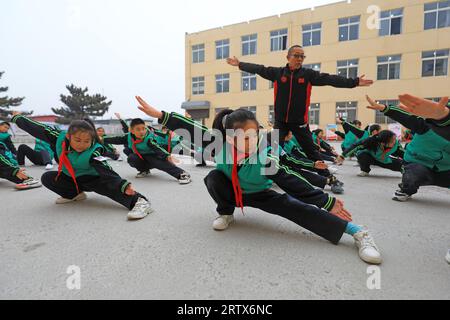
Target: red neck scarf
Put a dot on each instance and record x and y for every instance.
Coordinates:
(169, 147)
(135, 150)
(64, 161)
(235, 179)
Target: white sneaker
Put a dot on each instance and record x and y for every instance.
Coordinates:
(141, 209)
(363, 174)
(223, 222)
(28, 184)
(143, 174)
(82, 196)
(49, 166)
(448, 256)
(185, 178)
(368, 250)
(333, 170)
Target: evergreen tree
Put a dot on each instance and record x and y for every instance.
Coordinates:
(80, 105)
(6, 102)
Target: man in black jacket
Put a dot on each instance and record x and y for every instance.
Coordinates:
(293, 86)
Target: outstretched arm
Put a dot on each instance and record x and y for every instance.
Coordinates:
(37, 129)
(325, 79)
(408, 120)
(269, 73)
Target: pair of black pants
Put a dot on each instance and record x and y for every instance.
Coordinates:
(11, 179)
(328, 156)
(303, 135)
(127, 151)
(151, 162)
(39, 158)
(323, 172)
(416, 175)
(307, 216)
(366, 160)
(65, 187)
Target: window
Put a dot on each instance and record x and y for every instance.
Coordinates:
(391, 22)
(222, 49)
(314, 66)
(198, 85)
(347, 110)
(435, 63)
(278, 40)
(389, 67)
(380, 118)
(434, 99)
(311, 34)
(198, 53)
(249, 44)
(252, 109)
(248, 81)
(349, 28)
(437, 15)
(348, 68)
(222, 83)
(314, 113)
(271, 115)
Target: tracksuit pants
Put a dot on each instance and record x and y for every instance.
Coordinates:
(307, 216)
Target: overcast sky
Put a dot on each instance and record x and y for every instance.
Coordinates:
(117, 48)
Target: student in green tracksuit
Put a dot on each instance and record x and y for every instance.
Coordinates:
(316, 172)
(146, 152)
(82, 167)
(353, 133)
(427, 156)
(41, 155)
(246, 170)
(382, 150)
(9, 170)
(110, 151)
(326, 150)
(5, 137)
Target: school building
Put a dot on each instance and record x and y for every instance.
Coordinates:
(401, 44)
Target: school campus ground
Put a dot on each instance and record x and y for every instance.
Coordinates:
(175, 254)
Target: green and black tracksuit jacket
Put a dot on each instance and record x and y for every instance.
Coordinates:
(108, 177)
(430, 145)
(250, 171)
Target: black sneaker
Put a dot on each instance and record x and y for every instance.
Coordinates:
(400, 196)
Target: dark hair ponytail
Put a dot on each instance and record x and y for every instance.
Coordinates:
(374, 127)
(229, 119)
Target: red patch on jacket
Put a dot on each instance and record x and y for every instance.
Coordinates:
(284, 79)
(301, 80)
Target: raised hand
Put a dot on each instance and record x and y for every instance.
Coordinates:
(233, 61)
(374, 105)
(423, 107)
(148, 109)
(117, 115)
(363, 82)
